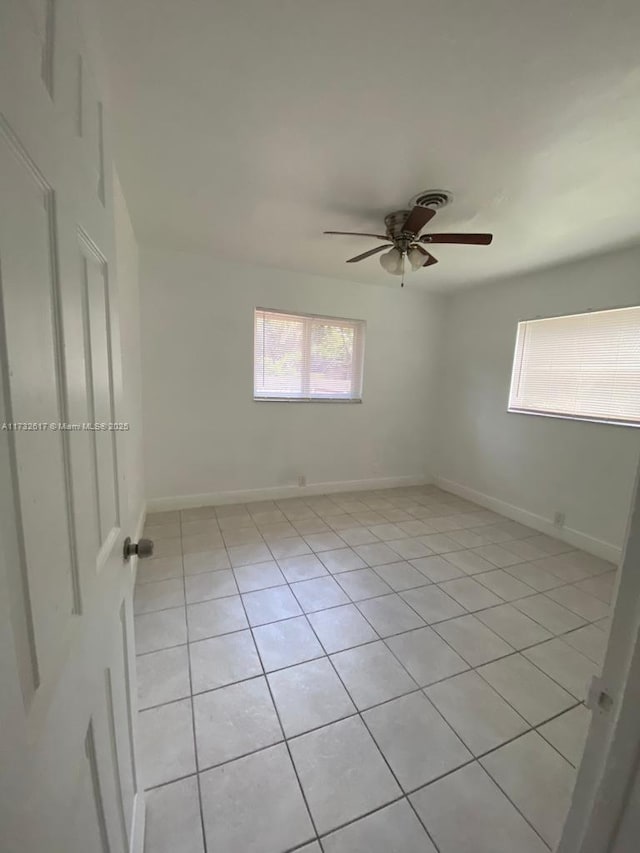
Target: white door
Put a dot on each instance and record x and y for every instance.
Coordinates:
(68, 780)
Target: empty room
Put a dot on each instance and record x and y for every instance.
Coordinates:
(319, 446)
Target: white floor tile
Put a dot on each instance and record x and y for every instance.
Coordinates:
(258, 576)
(302, 567)
(245, 555)
(223, 660)
(159, 595)
(410, 549)
(393, 829)
(514, 627)
(440, 543)
(323, 541)
(173, 818)
(207, 585)
(163, 676)
(504, 585)
(426, 656)
(318, 594)
(234, 721)
(601, 586)
(481, 718)
(200, 542)
(293, 546)
(308, 696)
(270, 605)
(341, 560)
(341, 628)
(568, 733)
(389, 615)
(591, 641)
(372, 675)
(473, 641)
(362, 583)
(466, 812)
(537, 780)
(285, 643)
(470, 563)
(342, 773)
(219, 616)
(580, 602)
(206, 561)
(165, 743)
(358, 536)
(498, 555)
(159, 569)
(401, 576)
(437, 569)
(565, 665)
(470, 594)
(273, 534)
(533, 694)
(160, 630)
(168, 547)
(432, 604)
(242, 536)
(254, 805)
(534, 576)
(415, 740)
(549, 614)
(376, 554)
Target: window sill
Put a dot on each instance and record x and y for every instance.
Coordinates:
(305, 400)
(561, 417)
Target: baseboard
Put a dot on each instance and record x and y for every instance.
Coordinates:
(577, 538)
(136, 843)
(271, 493)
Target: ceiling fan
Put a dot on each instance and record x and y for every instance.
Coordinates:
(403, 237)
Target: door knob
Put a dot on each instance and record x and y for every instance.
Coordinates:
(142, 548)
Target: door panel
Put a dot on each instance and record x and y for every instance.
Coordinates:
(67, 705)
(97, 343)
(29, 294)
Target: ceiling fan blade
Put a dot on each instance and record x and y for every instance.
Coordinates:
(469, 239)
(428, 257)
(369, 253)
(417, 219)
(357, 234)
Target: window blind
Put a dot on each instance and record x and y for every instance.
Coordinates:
(583, 366)
(307, 357)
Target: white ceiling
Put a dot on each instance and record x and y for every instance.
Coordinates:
(244, 128)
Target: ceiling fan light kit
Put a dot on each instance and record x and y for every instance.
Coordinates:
(391, 261)
(403, 237)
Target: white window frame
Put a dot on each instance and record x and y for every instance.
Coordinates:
(357, 378)
(513, 408)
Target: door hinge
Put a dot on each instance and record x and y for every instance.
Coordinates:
(598, 699)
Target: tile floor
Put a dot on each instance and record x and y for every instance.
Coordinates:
(397, 671)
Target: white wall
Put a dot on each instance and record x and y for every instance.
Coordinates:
(204, 433)
(130, 339)
(539, 465)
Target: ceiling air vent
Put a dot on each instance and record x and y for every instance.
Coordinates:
(434, 199)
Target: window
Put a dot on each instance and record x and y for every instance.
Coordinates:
(584, 366)
(304, 357)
